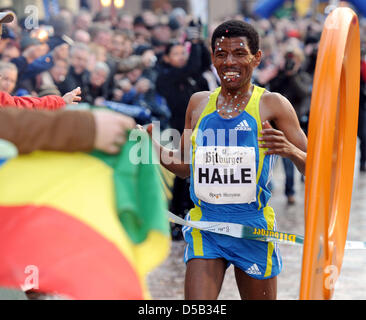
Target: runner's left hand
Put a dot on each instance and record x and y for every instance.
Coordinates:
(275, 141)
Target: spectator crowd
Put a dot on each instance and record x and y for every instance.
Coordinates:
(152, 63)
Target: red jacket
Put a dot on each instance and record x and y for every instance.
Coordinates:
(46, 103)
(363, 69)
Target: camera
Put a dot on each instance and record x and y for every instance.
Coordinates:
(289, 61)
(42, 33)
(193, 30)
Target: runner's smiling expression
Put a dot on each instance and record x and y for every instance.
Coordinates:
(234, 62)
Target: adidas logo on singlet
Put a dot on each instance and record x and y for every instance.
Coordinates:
(253, 270)
(243, 126)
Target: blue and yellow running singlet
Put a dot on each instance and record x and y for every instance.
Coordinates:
(230, 179)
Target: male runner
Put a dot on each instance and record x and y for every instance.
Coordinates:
(232, 153)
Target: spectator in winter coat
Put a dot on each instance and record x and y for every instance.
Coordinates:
(78, 74)
(8, 76)
(96, 85)
(31, 130)
(295, 84)
(180, 75)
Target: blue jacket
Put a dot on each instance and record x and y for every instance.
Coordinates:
(27, 71)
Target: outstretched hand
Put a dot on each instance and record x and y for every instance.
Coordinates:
(73, 97)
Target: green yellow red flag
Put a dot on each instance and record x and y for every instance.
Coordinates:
(303, 7)
(93, 225)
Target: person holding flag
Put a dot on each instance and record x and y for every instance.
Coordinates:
(29, 129)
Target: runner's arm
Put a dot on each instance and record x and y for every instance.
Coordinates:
(178, 161)
(289, 140)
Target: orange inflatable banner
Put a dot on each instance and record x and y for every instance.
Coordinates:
(331, 153)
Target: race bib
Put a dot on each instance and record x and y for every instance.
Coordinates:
(225, 175)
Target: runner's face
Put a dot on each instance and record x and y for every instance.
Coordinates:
(234, 61)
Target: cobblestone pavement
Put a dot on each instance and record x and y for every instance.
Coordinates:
(167, 281)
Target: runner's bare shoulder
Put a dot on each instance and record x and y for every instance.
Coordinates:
(200, 97)
(273, 105)
(196, 105)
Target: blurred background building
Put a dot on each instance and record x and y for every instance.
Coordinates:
(211, 10)
(217, 9)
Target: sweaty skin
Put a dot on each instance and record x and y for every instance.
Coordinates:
(288, 141)
(235, 63)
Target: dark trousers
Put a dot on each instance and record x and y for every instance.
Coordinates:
(289, 172)
(181, 203)
(361, 132)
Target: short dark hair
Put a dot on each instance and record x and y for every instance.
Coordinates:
(237, 28)
(170, 45)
